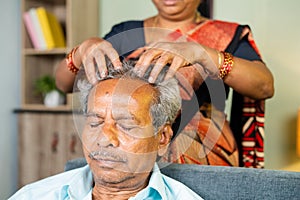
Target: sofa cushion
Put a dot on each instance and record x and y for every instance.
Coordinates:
(219, 182)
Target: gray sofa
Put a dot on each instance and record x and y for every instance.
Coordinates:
(218, 182)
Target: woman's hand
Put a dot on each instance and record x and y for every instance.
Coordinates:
(92, 53)
(178, 55)
(189, 63)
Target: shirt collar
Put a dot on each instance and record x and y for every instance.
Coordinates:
(156, 184)
(82, 183)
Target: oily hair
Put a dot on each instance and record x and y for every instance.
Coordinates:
(165, 105)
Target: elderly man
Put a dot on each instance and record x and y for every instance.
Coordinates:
(127, 127)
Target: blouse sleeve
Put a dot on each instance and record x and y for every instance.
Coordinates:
(246, 51)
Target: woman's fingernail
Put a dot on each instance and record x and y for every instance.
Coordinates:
(151, 80)
(103, 74)
(118, 67)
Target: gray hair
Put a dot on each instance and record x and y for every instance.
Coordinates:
(165, 106)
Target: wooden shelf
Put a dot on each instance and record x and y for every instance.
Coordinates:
(41, 107)
(47, 140)
(79, 19)
(56, 51)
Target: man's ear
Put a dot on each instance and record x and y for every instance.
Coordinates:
(166, 135)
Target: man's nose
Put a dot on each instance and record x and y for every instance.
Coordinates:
(108, 135)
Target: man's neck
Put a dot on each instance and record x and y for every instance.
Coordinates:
(118, 192)
(118, 195)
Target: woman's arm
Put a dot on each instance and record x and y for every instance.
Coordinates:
(249, 78)
(64, 78)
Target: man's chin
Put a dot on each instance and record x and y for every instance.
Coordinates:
(111, 177)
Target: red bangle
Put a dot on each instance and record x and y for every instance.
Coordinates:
(226, 67)
(70, 64)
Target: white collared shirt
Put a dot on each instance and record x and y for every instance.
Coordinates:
(77, 184)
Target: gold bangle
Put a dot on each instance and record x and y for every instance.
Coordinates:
(219, 59)
(215, 75)
(226, 67)
(70, 63)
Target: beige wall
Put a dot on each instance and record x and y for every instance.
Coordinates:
(115, 11)
(276, 30)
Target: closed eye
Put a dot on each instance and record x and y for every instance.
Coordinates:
(95, 124)
(126, 125)
(94, 121)
(125, 128)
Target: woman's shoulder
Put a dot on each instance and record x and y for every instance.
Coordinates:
(218, 22)
(225, 24)
(124, 26)
(221, 26)
(127, 25)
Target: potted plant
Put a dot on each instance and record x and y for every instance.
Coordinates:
(45, 86)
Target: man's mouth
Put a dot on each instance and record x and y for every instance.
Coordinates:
(104, 156)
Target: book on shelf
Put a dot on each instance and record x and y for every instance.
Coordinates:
(44, 29)
(51, 28)
(34, 30)
(30, 29)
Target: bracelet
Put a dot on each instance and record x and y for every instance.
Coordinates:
(219, 59)
(70, 63)
(226, 67)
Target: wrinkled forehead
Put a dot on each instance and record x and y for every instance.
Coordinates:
(120, 94)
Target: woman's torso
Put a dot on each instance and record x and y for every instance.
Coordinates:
(128, 36)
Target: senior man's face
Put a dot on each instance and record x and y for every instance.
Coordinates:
(118, 139)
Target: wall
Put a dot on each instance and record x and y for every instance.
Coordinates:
(276, 30)
(113, 12)
(9, 85)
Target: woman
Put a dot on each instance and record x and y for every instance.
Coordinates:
(205, 55)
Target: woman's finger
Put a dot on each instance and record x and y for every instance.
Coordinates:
(101, 63)
(177, 63)
(145, 60)
(89, 66)
(163, 60)
(113, 55)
